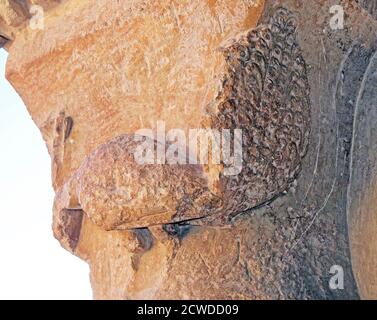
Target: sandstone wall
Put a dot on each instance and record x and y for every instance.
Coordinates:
(101, 70)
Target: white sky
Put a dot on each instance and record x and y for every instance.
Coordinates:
(32, 263)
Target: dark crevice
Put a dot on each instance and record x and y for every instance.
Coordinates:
(3, 41)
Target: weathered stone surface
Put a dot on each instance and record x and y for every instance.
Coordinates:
(362, 216)
(100, 71)
(118, 193)
(16, 15)
(266, 94)
(67, 227)
(13, 13)
(370, 6)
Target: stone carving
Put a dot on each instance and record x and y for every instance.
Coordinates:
(117, 193)
(99, 72)
(265, 93)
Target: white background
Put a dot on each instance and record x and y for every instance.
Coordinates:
(32, 263)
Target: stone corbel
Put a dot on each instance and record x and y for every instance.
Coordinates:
(265, 93)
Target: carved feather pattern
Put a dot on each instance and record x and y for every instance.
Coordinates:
(266, 94)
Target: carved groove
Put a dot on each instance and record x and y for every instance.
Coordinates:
(68, 127)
